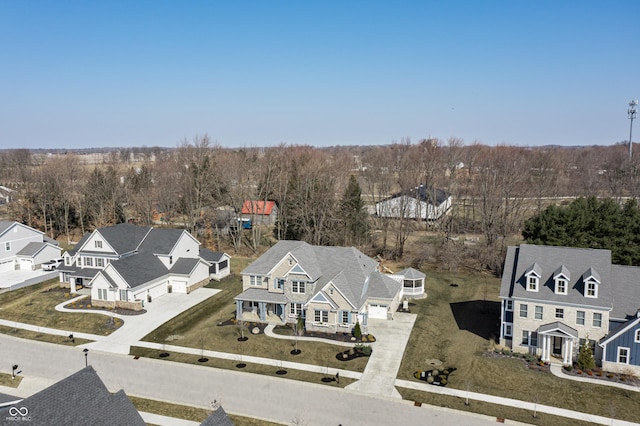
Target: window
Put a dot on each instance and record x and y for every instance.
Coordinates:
(509, 306)
(345, 317)
(123, 295)
(508, 330)
(279, 283)
(102, 293)
(170, 260)
(534, 339)
(538, 314)
(98, 244)
(525, 337)
(297, 287)
(638, 336)
(523, 310)
(99, 262)
(88, 261)
(7, 246)
(597, 320)
(559, 313)
(592, 289)
(254, 280)
(67, 261)
(532, 283)
(561, 286)
(623, 355)
(295, 309)
(580, 317)
(321, 316)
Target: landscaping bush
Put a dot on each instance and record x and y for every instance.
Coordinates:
(585, 357)
(357, 333)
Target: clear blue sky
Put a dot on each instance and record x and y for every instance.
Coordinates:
(89, 73)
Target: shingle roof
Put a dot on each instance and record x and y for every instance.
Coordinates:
(261, 295)
(217, 418)
(78, 246)
(578, 261)
(31, 249)
(411, 274)
(80, 399)
(626, 291)
(347, 268)
(558, 326)
(124, 237)
(139, 269)
(211, 256)
(4, 225)
(184, 266)
(161, 240)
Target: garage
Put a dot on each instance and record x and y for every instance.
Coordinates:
(26, 264)
(7, 265)
(378, 311)
(179, 287)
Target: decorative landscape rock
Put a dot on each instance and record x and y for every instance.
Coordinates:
(255, 330)
(435, 377)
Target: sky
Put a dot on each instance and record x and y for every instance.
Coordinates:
(80, 74)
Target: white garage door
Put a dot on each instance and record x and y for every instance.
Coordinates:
(158, 291)
(377, 311)
(26, 264)
(7, 265)
(179, 287)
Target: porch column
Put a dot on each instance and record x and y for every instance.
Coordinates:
(239, 309)
(565, 347)
(570, 354)
(282, 306)
(72, 285)
(263, 310)
(544, 348)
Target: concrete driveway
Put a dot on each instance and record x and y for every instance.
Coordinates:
(161, 310)
(380, 373)
(16, 279)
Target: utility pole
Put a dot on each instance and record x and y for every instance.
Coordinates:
(631, 112)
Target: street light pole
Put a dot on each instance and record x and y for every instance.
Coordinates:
(631, 112)
(86, 353)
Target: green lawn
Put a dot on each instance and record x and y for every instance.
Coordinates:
(36, 305)
(455, 325)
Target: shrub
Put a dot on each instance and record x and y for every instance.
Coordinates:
(609, 376)
(585, 356)
(506, 351)
(599, 373)
(430, 379)
(89, 306)
(371, 338)
(568, 367)
(443, 382)
(357, 333)
(579, 371)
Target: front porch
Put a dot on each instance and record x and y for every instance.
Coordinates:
(557, 342)
(259, 305)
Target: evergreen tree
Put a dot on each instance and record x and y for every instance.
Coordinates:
(353, 215)
(585, 356)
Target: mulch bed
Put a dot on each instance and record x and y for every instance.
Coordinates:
(348, 355)
(598, 374)
(435, 377)
(533, 365)
(85, 303)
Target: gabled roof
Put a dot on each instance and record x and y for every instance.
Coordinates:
(81, 243)
(558, 327)
(562, 271)
(626, 291)
(184, 266)
(424, 194)
(577, 261)
(81, 398)
(211, 256)
(258, 207)
(217, 418)
(33, 248)
(161, 240)
(139, 269)
(623, 328)
(261, 295)
(347, 268)
(124, 237)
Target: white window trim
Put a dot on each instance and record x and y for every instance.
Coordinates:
(508, 329)
(525, 341)
(627, 355)
(507, 303)
(526, 310)
(595, 289)
(98, 244)
(533, 283)
(255, 280)
(584, 318)
(558, 281)
(561, 312)
(297, 286)
(593, 322)
(637, 339)
(535, 313)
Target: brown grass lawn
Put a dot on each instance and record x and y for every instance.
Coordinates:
(6, 380)
(36, 305)
(186, 412)
(198, 328)
(456, 325)
(42, 337)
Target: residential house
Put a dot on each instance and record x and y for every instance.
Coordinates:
(420, 202)
(79, 399)
(260, 212)
(25, 248)
(333, 288)
(554, 299)
(125, 265)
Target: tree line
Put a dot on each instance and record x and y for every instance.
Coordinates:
(324, 195)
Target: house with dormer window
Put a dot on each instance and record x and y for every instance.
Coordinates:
(127, 265)
(332, 288)
(555, 299)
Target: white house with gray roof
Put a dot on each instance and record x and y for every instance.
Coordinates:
(331, 287)
(556, 298)
(127, 265)
(23, 247)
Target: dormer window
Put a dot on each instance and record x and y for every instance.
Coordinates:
(532, 283)
(591, 288)
(561, 278)
(561, 286)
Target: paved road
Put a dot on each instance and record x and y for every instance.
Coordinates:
(250, 395)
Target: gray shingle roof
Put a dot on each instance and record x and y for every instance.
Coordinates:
(4, 225)
(626, 291)
(80, 399)
(558, 326)
(161, 240)
(211, 256)
(346, 267)
(31, 249)
(140, 269)
(184, 266)
(217, 418)
(124, 237)
(261, 295)
(577, 261)
(77, 247)
(411, 274)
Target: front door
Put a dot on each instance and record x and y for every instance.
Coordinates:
(557, 346)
